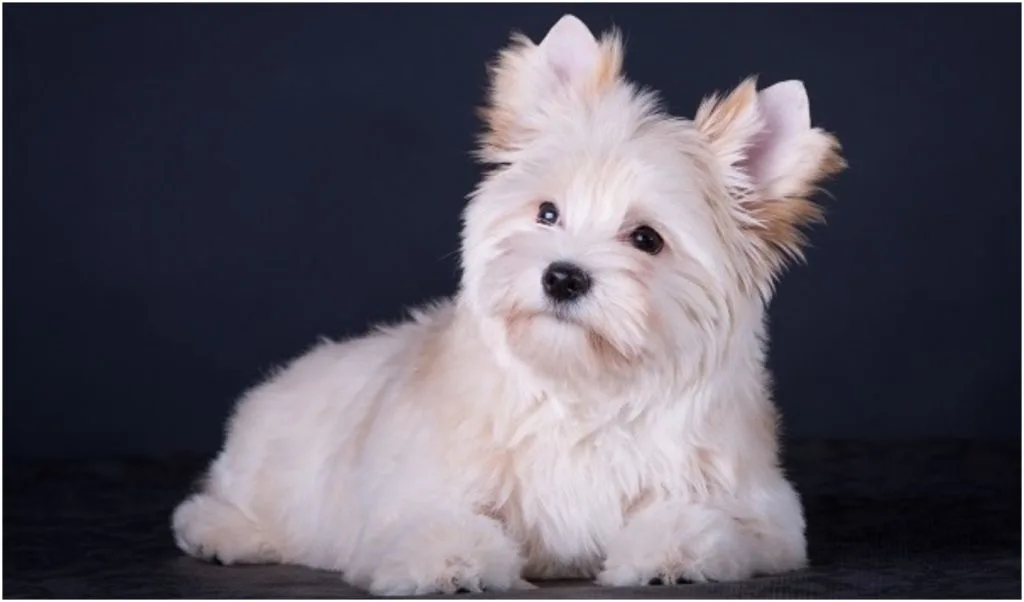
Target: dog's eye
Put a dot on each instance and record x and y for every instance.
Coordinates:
(547, 214)
(647, 240)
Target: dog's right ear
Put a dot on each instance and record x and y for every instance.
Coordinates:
(527, 79)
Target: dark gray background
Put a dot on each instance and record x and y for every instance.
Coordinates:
(193, 194)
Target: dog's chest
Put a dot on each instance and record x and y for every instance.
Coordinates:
(565, 497)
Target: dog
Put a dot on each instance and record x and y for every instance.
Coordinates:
(593, 400)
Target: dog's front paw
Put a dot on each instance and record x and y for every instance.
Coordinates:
(445, 575)
(672, 548)
(447, 557)
(671, 571)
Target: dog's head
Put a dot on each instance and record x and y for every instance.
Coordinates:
(608, 233)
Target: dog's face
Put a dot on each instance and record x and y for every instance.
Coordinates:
(610, 234)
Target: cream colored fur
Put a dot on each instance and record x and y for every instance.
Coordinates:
(490, 440)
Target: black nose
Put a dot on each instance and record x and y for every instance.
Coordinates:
(565, 281)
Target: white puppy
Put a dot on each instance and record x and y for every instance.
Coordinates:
(593, 402)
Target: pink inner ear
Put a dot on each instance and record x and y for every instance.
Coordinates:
(754, 161)
(571, 63)
(764, 150)
(563, 70)
(785, 116)
(571, 49)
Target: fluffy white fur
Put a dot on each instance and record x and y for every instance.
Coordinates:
(491, 439)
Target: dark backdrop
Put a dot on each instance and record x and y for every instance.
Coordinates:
(193, 194)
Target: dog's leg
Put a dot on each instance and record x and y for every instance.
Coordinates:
(429, 553)
(683, 541)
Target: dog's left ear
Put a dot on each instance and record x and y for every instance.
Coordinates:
(773, 161)
(528, 81)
